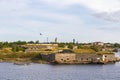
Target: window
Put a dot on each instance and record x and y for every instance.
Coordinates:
(62, 59)
(67, 58)
(81, 58)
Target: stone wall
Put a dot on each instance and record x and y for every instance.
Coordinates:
(72, 58)
(109, 57)
(48, 57)
(38, 47)
(88, 58)
(65, 57)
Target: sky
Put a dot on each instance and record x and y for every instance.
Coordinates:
(82, 20)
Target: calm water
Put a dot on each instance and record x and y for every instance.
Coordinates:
(9, 71)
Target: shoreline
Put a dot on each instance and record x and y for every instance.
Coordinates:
(24, 62)
(16, 60)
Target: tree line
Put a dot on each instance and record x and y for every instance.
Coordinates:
(16, 46)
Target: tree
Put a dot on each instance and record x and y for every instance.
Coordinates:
(79, 46)
(96, 48)
(1, 45)
(70, 46)
(61, 45)
(17, 48)
(117, 45)
(20, 42)
(37, 42)
(31, 42)
(5, 44)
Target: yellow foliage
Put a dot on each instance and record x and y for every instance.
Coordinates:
(84, 51)
(6, 50)
(103, 52)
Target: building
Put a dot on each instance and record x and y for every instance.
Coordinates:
(39, 47)
(98, 43)
(65, 58)
(73, 58)
(88, 58)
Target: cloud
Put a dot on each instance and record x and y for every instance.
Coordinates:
(24, 9)
(113, 16)
(13, 4)
(25, 19)
(96, 5)
(106, 9)
(21, 19)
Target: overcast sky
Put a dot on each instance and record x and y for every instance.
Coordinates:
(83, 20)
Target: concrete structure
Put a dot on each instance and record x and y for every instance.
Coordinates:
(88, 58)
(75, 47)
(65, 58)
(39, 47)
(72, 58)
(108, 57)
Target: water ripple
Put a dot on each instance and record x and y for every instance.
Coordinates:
(8, 71)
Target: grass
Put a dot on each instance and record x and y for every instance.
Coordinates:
(84, 51)
(102, 52)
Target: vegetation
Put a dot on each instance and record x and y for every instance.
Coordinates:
(62, 45)
(15, 50)
(14, 45)
(21, 57)
(96, 48)
(84, 51)
(116, 45)
(105, 52)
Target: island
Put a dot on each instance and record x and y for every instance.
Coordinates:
(21, 52)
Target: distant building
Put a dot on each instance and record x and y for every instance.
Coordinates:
(66, 47)
(98, 43)
(107, 49)
(108, 44)
(39, 47)
(73, 41)
(75, 47)
(56, 40)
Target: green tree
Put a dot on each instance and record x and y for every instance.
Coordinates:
(5, 44)
(70, 45)
(1, 45)
(96, 48)
(17, 48)
(61, 45)
(20, 42)
(31, 42)
(37, 42)
(116, 45)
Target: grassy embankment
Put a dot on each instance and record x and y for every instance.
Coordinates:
(90, 51)
(8, 55)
